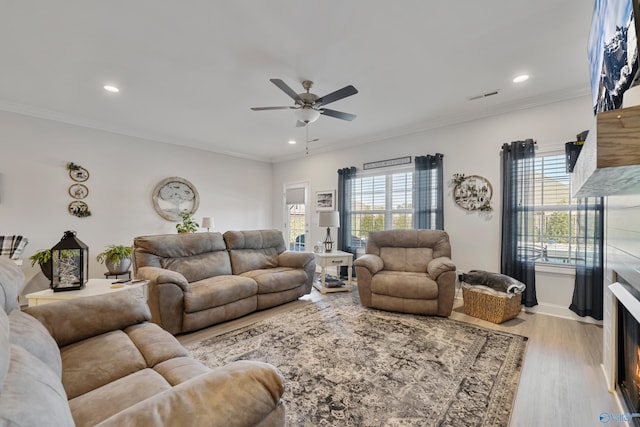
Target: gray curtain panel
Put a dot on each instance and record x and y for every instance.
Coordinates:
(428, 197)
(587, 293)
(345, 180)
(517, 254)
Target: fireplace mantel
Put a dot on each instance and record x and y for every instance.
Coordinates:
(627, 299)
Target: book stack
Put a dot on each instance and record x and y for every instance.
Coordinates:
(333, 282)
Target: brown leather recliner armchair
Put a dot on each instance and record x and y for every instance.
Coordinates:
(408, 271)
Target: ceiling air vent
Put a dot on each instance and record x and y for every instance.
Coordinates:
(484, 95)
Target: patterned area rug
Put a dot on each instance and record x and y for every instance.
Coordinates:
(346, 365)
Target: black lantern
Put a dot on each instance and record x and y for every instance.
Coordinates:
(69, 263)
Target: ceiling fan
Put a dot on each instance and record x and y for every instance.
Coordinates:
(309, 106)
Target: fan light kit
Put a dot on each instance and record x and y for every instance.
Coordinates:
(308, 106)
(521, 78)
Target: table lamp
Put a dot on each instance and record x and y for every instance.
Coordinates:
(207, 222)
(328, 219)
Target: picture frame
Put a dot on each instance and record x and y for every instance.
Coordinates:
(173, 195)
(78, 191)
(325, 200)
(473, 193)
(79, 174)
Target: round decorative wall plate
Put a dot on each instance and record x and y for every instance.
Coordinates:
(473, 193)
(79, 209)
(79, 175)
(174, 195)
(78, 191)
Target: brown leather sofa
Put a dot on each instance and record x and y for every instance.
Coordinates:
(408, 271)
(201, 279)
(97, 361)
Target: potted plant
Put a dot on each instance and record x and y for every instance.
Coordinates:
(117, 258)
(188, 224)
(43, 258)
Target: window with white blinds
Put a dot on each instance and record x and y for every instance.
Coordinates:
(381, 202)
(554, 228)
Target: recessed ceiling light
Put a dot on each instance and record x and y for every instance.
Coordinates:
(292, 141)
(521, 78)
(111, 88)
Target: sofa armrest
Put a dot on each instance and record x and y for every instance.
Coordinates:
(439, 265)
(68, 321)
(238, 394)
(295, 259)
(157, 275)
(371, 262)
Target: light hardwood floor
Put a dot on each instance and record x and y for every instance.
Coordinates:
(562, 383)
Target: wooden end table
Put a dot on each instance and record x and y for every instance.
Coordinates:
(333, 259)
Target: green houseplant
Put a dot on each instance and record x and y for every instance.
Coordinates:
(188, 225)
(42, 257)
(117, 258)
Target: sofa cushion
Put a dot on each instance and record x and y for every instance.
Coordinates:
(31, 335)
(32, 394)
(438, 240)
(11, 284)
(406, 259)
(277, 279)
(5, 355)
(180, 369)
(255, 239)
(68, 322)
(243, 260)
(97, 405)
(194, 255)
(198, 267)
(218, 291)
(90, 364)
(154, 343)
(254, 249)
(404, 285)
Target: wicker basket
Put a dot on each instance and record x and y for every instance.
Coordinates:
(494, 308)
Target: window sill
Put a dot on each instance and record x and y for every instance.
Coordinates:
(547, 267)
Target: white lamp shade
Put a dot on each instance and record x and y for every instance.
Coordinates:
(329, 219)
(207, 222)
(307, 115)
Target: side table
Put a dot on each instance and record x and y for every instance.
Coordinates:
(92, 287)
(333, 259)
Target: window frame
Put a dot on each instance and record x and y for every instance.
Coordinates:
(388, 211)
(541, 238)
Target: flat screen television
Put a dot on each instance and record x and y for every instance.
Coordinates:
(613, 51)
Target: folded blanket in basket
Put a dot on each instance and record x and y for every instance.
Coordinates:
(499, 282)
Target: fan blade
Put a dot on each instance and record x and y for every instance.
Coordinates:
(337, 114)
(337, 95)
(300, 124)
(286, 89)
(271, 108)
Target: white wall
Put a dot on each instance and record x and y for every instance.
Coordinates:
(123, 172)
(471, 148)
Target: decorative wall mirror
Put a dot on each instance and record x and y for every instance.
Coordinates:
(473, 192)
(174, 195)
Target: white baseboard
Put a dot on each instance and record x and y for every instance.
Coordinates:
(557, 311)
(560, 311)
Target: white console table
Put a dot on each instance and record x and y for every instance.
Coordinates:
(92, 287)
(333, 259)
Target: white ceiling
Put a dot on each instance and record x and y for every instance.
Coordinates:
(190, 70)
